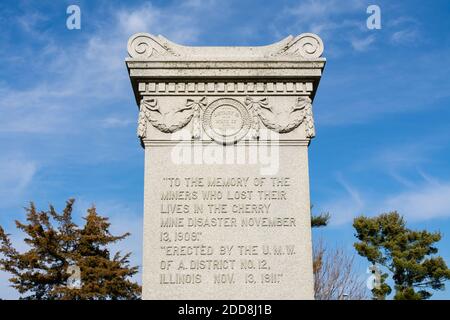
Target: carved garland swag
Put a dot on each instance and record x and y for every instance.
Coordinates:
(282, 122)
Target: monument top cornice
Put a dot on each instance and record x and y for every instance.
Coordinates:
(286, 70)
(147, 47)
(295, 61)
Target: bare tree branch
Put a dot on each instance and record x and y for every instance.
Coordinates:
(334, 275)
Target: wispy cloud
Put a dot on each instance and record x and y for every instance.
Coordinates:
(30, 21)
(336, 23)
(404, 30)
(89, 69)
(425, 201)
(116, 122)
(346, 206)
(416, 202)
(408, 188)
(362, 44)
(40, 109)
(405, 36)
(16, 174)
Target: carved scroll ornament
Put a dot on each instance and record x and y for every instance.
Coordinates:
(144, 46)
(307, 45)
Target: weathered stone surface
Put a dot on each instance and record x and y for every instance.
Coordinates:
(226, 198)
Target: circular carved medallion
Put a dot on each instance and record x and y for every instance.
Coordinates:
(226, 121)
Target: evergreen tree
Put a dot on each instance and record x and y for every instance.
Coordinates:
(319, 220)
(59, 249)
(410, 256)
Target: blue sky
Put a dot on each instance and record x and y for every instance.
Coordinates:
(68, 115)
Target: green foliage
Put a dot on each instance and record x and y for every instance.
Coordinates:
(55, 243)
(407, 254)
(320, 220)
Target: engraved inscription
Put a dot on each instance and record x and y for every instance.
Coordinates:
(226, 120)
(194, 210)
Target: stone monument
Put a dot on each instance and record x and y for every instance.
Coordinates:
(226, 132)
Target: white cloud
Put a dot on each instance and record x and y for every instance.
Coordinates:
(362, 44)
(313, 10)
(87, 72)
(116, 122)
(31, 21)
(407, 188)
(200, 4)
(15, 177)
(428, 199)
(405, 36)
(401, 21)
(345, 207)
(332, 20)
(173, 22)
(425, 201)
(421, 196)
(36, 110)
(404, 30)
(6, 292)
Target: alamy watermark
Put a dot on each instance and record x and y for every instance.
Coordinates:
(374, 280)
(74, 280)
(264, 154)
(374, 20)
(73, 21)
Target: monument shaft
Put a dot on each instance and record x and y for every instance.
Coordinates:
(226, 196)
